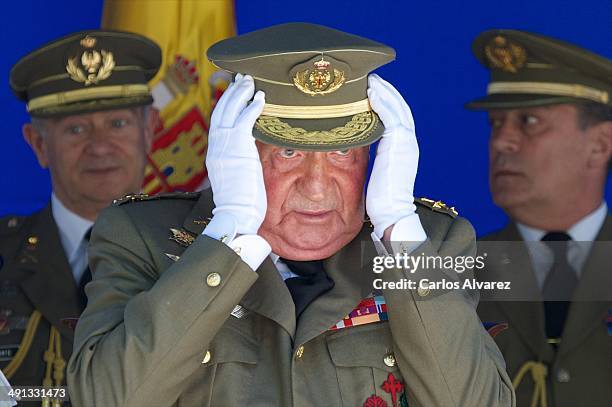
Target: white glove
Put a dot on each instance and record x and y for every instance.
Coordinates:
(233, 164)
(390, 190)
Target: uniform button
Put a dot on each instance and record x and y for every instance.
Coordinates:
(213, 279)
(32, 240)
(389, 360)
(206, 357)
(423, 292)
(299, 352)
(563, 376)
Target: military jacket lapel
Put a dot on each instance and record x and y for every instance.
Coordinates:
(270, 298)
(513, 263)
(593, 297)
(50, 285)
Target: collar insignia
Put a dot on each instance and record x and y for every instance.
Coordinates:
(181, 237)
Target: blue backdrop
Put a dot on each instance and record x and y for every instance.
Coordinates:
(434, 70)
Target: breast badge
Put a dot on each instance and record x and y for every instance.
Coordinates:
(395, 388)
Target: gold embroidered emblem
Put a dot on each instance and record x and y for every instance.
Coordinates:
(505, 55)
(98, 66)
(181, 237)
(88, 42)
(358, 128)
(320, 80)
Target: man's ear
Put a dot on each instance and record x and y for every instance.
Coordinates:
(36, 141)
(600, 139)
(152, 124)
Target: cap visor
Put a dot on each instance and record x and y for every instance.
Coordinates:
(319, 134)
(511, 101)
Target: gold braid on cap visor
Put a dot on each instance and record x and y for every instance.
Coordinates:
(550, 88)
(316, 112)
(80, 95)
(358, 128)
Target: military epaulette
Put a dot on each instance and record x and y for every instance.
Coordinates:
(437, 206)
(145, 197)
(11, 224)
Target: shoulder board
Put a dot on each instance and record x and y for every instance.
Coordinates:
(437, 206)
(11, 224)
(145, 197)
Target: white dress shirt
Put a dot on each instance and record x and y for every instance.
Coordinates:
(583, 233)
(72, 230)
(284, 270)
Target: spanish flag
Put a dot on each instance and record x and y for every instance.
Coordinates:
(187, 85)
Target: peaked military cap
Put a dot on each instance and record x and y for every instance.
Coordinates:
(315, 80)
(87, 71)
(529, 69)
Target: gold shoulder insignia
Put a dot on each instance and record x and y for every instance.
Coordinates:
(145, 197)
(131, 198)
(437, 206)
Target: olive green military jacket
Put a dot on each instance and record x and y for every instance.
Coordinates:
(579, 372)
(158, 331)
(34, 276)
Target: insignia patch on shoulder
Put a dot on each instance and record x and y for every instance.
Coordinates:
(146, 197)
(437, 206)
(11, 224)
(131, 198)
(493, 328)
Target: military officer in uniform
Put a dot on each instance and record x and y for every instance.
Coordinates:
(550, 108)
(257, 294)
(91, 126)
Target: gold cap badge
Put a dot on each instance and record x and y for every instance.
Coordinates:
(98, 64)
(505, 55)
(321, 79)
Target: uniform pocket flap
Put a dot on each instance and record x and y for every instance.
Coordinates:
(364, 345)
(233, 345)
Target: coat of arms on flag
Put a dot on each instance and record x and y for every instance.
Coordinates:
(186, 87)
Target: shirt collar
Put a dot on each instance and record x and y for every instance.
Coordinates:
(585, 230)
(72, 227)
(274, 257)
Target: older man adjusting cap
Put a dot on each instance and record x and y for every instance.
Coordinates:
(267, 303)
